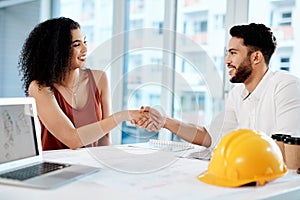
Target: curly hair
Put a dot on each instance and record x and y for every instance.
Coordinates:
(256, 37)
(46, 53)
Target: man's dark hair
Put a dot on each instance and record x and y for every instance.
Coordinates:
(46, 53)
(256, 37)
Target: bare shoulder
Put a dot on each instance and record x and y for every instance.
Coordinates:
(100, 76)
(35, 90)
(98, 73)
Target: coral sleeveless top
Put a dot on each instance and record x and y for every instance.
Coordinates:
(90, 113)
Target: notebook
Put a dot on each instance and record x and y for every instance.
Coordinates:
(164, 145)
(201, 153)
(184, 149)
(21, 159)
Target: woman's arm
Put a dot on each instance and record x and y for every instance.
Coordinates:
(104, 90)
(61, 126)
(95, 131)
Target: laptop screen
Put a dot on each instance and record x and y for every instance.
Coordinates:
(17, 133)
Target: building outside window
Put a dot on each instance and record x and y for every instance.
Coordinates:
(281, 16)
(204, 23)
(169, 76)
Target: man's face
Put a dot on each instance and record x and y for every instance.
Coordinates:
(238, 61)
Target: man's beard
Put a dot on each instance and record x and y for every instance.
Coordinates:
(242, 72)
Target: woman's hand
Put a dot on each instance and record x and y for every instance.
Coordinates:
(138, 115)
(154, 122)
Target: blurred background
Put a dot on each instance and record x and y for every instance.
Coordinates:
(163, 53)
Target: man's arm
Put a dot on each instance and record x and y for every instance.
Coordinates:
(189, 132)
(287, 100)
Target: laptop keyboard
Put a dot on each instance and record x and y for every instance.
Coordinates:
(33, 171)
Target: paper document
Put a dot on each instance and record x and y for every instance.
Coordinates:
(204, 154)
(165, 145)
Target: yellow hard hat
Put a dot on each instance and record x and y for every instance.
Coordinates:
(244, 156)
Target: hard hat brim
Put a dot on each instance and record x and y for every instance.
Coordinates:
(212, 179)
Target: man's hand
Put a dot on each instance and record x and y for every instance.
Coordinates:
(155, 121)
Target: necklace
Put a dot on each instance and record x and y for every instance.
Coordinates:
(73, 90)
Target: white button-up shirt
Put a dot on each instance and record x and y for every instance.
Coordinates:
(273, 107)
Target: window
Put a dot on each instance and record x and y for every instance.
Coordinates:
(286, 19)
(154, 72)
(137, 6)
(192, 82)
(280, 15)
(285, 63)
(142, 65)
(135, 24)
(200, 26)
(87, 13)
(219, 22)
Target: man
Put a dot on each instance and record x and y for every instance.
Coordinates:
(266, 101)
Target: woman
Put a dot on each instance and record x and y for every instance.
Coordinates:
(73, 102)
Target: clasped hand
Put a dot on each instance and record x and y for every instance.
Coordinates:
(151, 120)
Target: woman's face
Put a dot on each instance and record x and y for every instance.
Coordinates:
(79, 49)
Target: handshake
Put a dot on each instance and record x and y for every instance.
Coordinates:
(148, 118)
(152, 120)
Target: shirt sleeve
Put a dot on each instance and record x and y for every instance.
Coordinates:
(287, 102)
(225, 121)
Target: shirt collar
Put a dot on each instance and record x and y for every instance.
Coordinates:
(260, 88)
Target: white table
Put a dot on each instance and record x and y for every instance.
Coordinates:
(138, 173)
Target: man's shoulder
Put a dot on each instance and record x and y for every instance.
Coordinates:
(281, 75)
(280, 79)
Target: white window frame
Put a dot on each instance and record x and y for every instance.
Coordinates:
(237, 12)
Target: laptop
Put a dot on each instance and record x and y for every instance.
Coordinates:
(21, 159)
